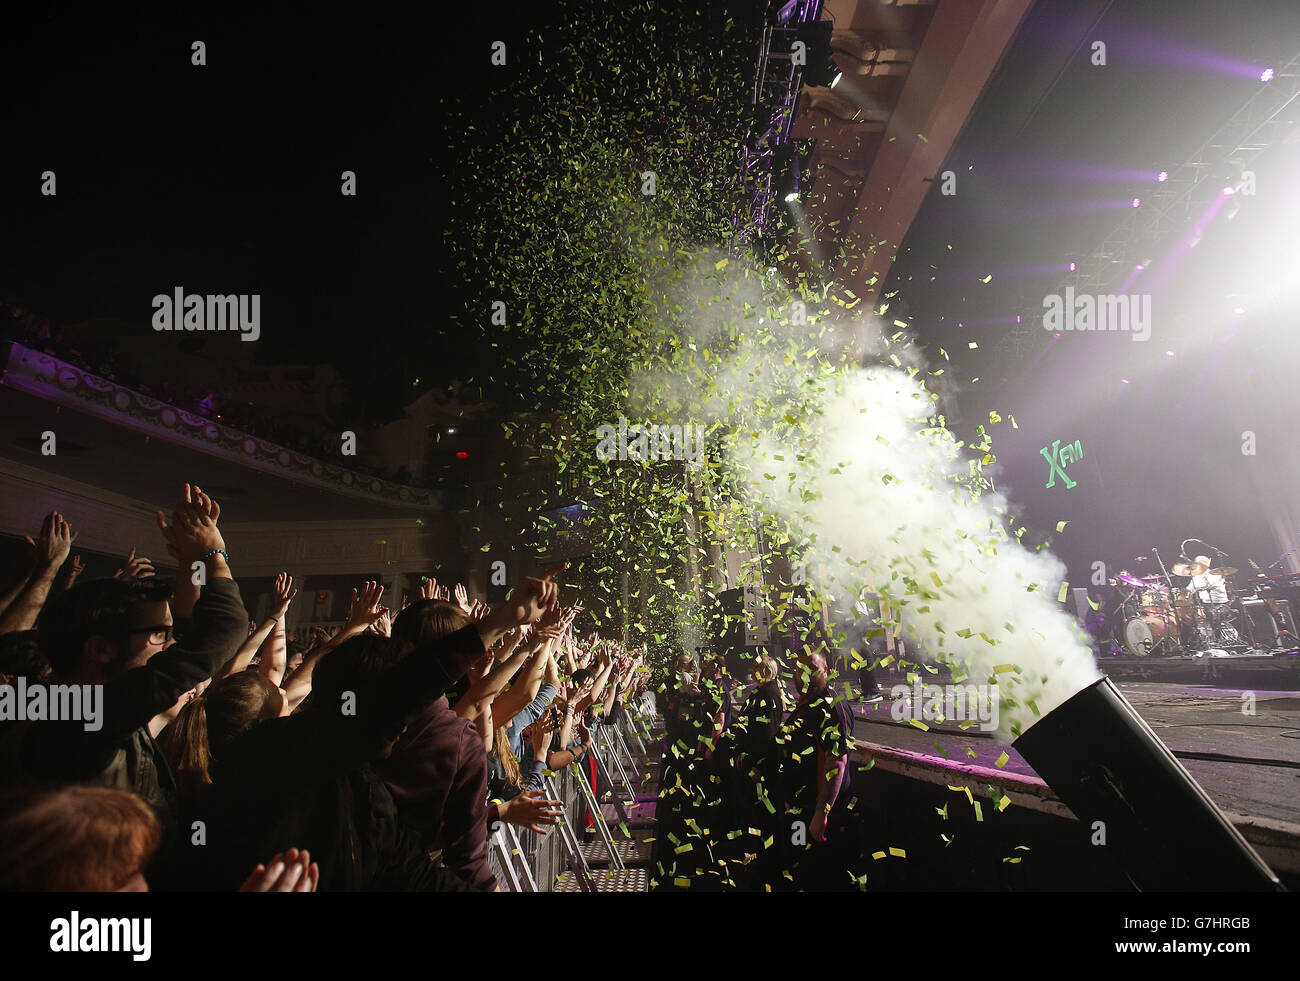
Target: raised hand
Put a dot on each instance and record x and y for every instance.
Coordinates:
(429, 588)
(192, 531)
(365, 609)
(283, 595)
(74, 570)
(462, 597)
(291, 871)
(53, 542)
(479, 610)
(540, 732)
(384, 624)
(135, 567)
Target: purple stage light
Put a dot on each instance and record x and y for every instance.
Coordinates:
(1017, 318)
(1162, 176)
(1266, 75)
(1072, 267)
(1169, 354)
(1137, 202)
(1229, 191)
(1139, 267)
(1124, 380)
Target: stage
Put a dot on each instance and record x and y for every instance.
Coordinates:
(1248, 764)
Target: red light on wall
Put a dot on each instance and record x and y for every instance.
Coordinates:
(462, 455)
(320, 596)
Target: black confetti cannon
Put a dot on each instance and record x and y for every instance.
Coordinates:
(1106, 764)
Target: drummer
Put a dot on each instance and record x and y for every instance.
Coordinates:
(1211, 588)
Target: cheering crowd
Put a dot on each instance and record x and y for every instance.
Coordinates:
(227, 757)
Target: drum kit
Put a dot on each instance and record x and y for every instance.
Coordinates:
(1206, 615)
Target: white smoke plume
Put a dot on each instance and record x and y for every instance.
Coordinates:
(849, 459)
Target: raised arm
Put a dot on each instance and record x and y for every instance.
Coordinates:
(364, 611)
(276, 656)
(484, 689)
(52, 546)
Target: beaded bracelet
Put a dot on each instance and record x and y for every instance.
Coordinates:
(217, 551)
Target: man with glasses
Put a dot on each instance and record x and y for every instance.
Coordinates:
(118, 633)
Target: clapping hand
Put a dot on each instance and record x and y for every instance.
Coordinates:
(192, 531)
(292, 871)
(53, 542)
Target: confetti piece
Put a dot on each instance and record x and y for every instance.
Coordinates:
(1001, 761)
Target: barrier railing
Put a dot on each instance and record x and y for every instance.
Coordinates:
(526, 861)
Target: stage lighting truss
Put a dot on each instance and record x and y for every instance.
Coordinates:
(1171, 206)
(773, 171)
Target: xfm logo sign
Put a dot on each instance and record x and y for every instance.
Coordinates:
(1059, 458)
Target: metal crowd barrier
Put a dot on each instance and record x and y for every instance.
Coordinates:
(525, 861)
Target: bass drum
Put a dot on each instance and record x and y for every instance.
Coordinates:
(1143, 634)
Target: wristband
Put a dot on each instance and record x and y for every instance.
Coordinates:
(216, 551)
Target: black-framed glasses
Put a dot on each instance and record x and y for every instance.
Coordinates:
(159, 634)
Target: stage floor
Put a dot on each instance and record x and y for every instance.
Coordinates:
(1248, 764)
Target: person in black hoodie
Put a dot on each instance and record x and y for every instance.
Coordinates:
(306, 780)
(751, 781)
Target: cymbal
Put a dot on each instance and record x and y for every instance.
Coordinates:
(1188, 568)
(1131, 580)
(1226, 570)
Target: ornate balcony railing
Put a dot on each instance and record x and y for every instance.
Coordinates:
(46, 377)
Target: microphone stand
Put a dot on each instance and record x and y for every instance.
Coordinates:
(1170, 583)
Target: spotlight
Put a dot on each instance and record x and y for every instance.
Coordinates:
(1139, 267)
(1239, 310)
(792, 175)
(1072, 267)
(1162, 176)
(1017, 318)
(1229, 191)
(1266, 75)
(451, 430)
(1169, 354)
(821, 68)
(1137, 202)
